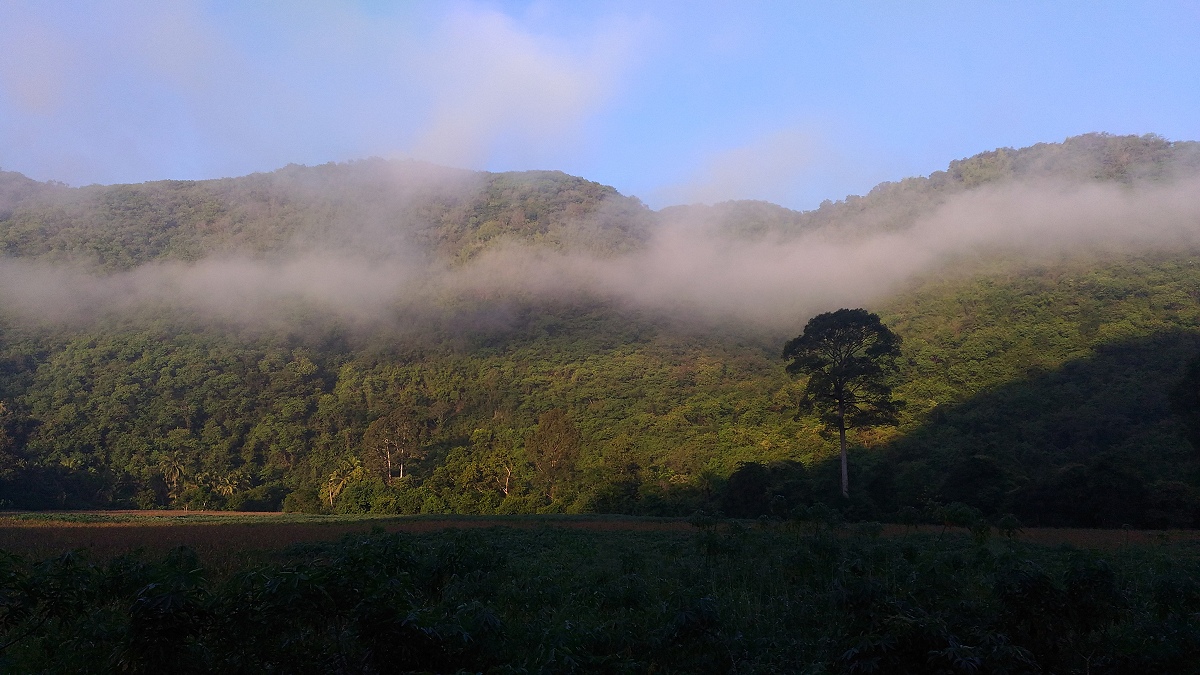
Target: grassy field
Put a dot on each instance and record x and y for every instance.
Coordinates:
(549, 594)
(108, 533)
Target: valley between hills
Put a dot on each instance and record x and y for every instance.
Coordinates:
(398, 338)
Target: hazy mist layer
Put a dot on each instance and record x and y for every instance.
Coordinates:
(687, 270)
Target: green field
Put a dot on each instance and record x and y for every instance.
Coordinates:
(587, 594)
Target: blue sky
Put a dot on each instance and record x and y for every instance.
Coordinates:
(793, 102)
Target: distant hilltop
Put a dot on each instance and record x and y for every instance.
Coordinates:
(453, 215)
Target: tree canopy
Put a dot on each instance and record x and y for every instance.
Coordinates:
(1021, 377)
(847, 355)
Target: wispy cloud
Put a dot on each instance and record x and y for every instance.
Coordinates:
(684, 272)
(493, 83)
(130, 91)
(773, 167)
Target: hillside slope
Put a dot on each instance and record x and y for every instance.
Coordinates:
(356, 205)
(1024, 379)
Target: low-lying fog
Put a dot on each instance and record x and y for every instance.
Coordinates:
(687, 270)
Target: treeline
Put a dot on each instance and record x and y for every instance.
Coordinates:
(1042, 393)
(1038, 389)
(897, 205)
(198, 419)
(373, 205)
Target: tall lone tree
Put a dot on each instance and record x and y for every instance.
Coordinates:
(847, 355)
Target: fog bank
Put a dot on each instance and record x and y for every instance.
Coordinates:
(685, 271)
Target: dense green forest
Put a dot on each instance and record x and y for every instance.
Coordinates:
(1033, 386)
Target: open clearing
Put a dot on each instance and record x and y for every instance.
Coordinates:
(616, 594)
(115, 532)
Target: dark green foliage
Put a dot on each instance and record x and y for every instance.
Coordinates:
(978, 481)
(1103, 495)
(553, 447)
(357, 206)
(847, 356)
(1076, 425)
(1185, 401)
(1034, 388)
(777, 490)
(747, 492)
(763, 600)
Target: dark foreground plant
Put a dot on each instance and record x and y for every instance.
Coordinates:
(775, 599)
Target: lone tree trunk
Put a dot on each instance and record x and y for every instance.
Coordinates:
(848, 356)
(842, 435)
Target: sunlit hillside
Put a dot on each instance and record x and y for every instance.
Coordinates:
(398, 337)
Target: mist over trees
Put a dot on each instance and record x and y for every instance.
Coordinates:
(538, 342)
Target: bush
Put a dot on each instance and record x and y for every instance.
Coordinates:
(303, 500)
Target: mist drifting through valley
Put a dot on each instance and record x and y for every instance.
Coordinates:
(372, 276)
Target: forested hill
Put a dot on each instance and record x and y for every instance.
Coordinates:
(537, 358)
(357, 205)
(895, 205)
(455, 214)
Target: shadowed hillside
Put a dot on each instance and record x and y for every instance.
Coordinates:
(406, 338)
(1092, 443)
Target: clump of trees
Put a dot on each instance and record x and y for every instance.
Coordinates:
(1020, 382)
(393, 440)
(553, 447)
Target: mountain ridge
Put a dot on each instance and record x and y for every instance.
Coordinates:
(155, 404)
(455, 214)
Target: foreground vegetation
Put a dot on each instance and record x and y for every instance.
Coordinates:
(805, 598)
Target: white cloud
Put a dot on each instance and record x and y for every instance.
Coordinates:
(128, 91)
(492, 82)
(773, 167)
(683, 272)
